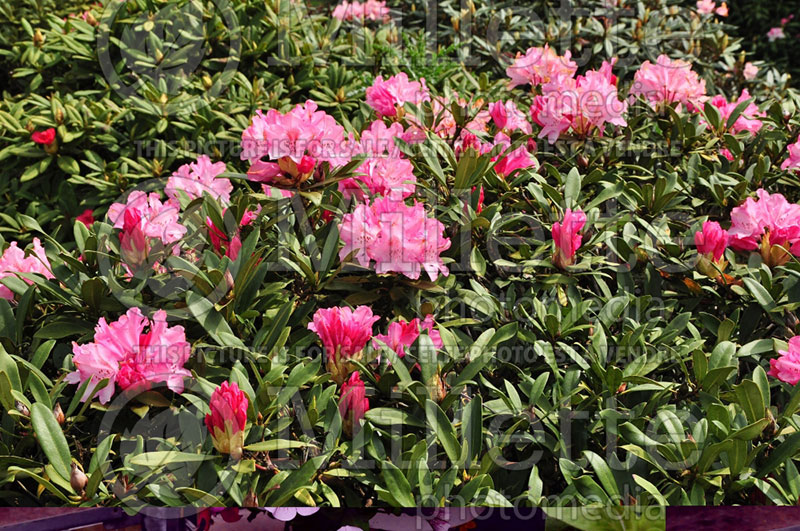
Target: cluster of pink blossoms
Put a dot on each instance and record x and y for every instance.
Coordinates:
(707, 7)
(540, 65)
(14, 261)
(770, 224)
(583, 104)
(145, 220)
(294, 143)
(669, 81)
(369, 10)
(747, 120)
(384, 171)
(199, 177)
(388, 97)
(787, 367)
(397, 237)
(132, 352)
(345, 333)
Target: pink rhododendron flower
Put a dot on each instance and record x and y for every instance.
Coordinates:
(131, 357)
(750, 71)
(706, 7)
(792, 162)
(86, 217)
(344, 333)
(787, 367)
(353, 403)
(397, 237)
(200, 177)
(540, 65)
(517, 159)
(14, 261)
(584, 104)
(229, 245)
(747, 120)
(369, 10)
(669, 81)
(508, 118)
(775, 33)
(401, 334)
(770, 223)
(567, 237)
(387, 97)
(294, 142)
(712, 240)
(725, 152)
(227, 419)
(155, 219)
(722, 10)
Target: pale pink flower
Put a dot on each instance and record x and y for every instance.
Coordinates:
(294, 142)
(14, 261)
(130, 357)
(227, 419)
(775, 34)
(712, 240)
(401, 334)
(353, 403)
(154, 218)
(747, 120)
(787, 367)
(585, 104)
(750, 71)
(388, 97)
(792, 162)
(287, 514)
(397, 237)
(706, 7)
(669, 81)
(567, 237)
(772, 216)
(722, 10)
(540, 65)
(200, 177)
(369, 10)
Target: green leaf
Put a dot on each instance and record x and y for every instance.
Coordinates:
(51, 439)
(397, 484)
(443, 428)
(749, 396)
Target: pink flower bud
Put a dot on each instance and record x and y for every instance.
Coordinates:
(227, 419)
(712, 240)
(353, 403)
(344, 333)
(567, 237)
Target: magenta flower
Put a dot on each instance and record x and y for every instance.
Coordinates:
(770, 223)
(669, 81)
(787, 367)
(227, 419)
(540, 65)
(398, 238)
(46, 137)
(86, 217)
(14, 261)
(353, 403)
(401, 334)
(388, 97)
(200, 177)
(294, 144)
(712, 240)
(130, 357)
(567, 237)
(519, 158)
(344, 333)
(507, 117)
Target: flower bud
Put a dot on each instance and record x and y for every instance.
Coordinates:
(23, 409)
(58, 413)
(353, 404)
(78, 479)
(227, 419)
(38, 38)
